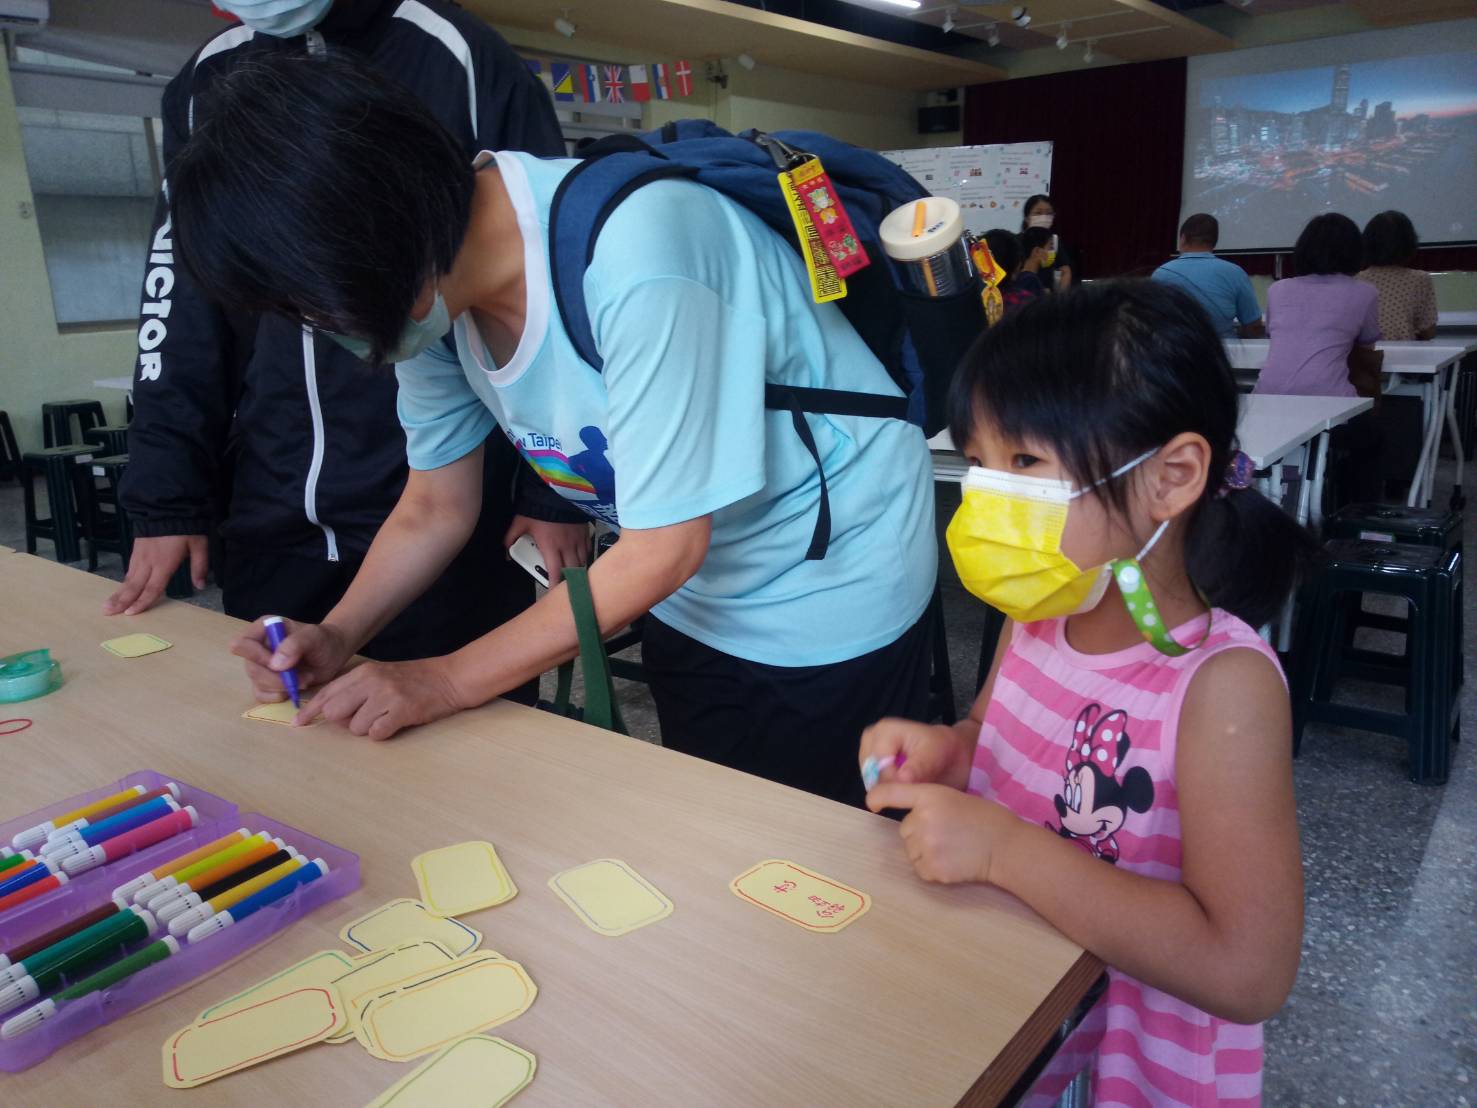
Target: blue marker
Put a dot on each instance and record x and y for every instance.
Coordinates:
(74, 842)
(276, 632)
(260, 899)
(39, 872)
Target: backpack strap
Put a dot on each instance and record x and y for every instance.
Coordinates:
(613, 168)
(601, 708)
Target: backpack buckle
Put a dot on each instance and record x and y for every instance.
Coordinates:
(785, 156)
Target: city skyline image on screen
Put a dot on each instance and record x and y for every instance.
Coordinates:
(1269, 144)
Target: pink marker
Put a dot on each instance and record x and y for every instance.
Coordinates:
(130, 842)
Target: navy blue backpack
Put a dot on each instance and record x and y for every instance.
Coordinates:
(918, 339)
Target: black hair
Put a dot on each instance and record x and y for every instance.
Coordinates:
(1005, 248)
(1202, 229)
(1031, 202)
(318, 189)
(1330, 243)
(1390, 239)
(1111, 370)
(1033, 237)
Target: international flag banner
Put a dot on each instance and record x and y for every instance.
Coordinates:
(682, 74)
(615, 84)
(563, 81)
(661, 85)
(640, 87)
(587, 82)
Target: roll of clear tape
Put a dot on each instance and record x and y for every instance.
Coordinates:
(27, 675)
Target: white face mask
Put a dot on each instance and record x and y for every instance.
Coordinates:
(1040, 221)
(279, 18)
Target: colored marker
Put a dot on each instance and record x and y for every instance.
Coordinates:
(169, 788)
(256, 850)
(260, 899)
(182, 923)
(24, 875)
(276, 632)
(872, 769)
(34, 1017)
(83, 951)
(42, 960)
(10, 861)
(32, 891)
(124, 892)
(74, 842)
(194, 869)
(121, 846)
(56, 935)
(34, 836)
(182, 904)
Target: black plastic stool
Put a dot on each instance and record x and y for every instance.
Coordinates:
(110, 440)
(1396, 523)
(106, 523)
(10, 452)
(56, 420)
(1427, 578)
(65, 498)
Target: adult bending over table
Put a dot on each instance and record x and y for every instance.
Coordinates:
(358, 215)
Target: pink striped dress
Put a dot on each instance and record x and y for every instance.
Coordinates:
(1085, 745)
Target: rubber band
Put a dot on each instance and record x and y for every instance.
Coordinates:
(8, 730)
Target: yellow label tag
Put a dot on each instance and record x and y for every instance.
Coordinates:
(825, 283)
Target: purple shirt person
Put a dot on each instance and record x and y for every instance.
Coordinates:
(1317, 319)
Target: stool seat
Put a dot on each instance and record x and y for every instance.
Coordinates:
(1428, 579)
(109, 439)
(57, 415)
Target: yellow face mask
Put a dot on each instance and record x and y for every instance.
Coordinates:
(1006, 542)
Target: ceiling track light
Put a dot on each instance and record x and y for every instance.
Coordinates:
(1019, 16)
(992, 35)
(563, 24)
(1061, 38)
(1087, 55)
(949, 24)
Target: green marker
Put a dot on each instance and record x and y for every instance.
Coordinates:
(45, 970)
(35, 1016)
(10, 861)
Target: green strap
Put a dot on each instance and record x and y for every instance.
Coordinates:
(601, 709)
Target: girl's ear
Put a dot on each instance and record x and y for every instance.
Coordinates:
(1178, 474)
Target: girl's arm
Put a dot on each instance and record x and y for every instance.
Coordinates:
(1226, 937)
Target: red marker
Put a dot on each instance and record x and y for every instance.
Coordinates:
(120, 846)
(31, 891)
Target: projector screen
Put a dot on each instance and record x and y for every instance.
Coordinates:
(1356, 124)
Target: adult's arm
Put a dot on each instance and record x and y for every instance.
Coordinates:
(183, 399)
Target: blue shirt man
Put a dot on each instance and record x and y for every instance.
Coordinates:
(1222, 288)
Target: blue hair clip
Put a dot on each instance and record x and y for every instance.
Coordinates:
(1239, 474)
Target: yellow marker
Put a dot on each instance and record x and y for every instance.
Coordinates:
(170, 881)
(126, 891)
(181, 924)
(920, 216)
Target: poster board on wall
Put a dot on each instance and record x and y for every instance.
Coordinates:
(990, 183)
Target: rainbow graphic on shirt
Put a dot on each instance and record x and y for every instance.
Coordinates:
(553, 468)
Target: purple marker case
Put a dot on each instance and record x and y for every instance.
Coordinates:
(218, 817)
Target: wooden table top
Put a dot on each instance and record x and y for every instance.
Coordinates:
(936, 996)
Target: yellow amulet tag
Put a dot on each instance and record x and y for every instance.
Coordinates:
(826, 284)
(994, 304)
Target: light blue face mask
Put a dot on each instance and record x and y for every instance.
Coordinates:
(278, 18)
(417, 335)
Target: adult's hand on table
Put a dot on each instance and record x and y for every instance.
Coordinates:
(379, 699)
(150, 567)
(318, 653)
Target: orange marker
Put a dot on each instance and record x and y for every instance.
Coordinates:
(123, 893)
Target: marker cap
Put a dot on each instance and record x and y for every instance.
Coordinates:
(28, 1020)
(18, 992)
(89, 859)
(181, 924)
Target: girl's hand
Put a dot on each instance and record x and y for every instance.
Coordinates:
(318, 653)
(380, 698)
(929, 753)
(950, 836)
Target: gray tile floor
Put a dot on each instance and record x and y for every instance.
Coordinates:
(1385, 1007)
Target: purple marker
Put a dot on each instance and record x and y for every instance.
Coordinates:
(276, 632)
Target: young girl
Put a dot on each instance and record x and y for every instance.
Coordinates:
(1126, 770)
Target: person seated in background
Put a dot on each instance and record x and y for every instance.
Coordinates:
(1222, 288)
(1019, 288)
(1323, 324)
(1056, 273)
(1407, 296)
(1037, 255)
